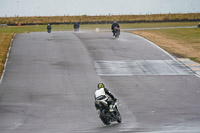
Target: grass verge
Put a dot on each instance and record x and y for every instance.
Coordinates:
(179, 42)
(4, 46)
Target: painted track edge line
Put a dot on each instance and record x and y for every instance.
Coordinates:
(5, 64)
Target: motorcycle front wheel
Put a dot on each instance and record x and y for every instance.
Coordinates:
(119, 118)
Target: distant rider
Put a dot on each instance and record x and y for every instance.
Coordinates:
(103, 94)
(115, 24)
(48, 27)
(76, 26)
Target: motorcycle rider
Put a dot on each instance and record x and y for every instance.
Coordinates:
(103, 94)
(48, 27)
(76, 26)
(115, 24)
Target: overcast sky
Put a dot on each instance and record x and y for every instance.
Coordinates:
(95, 7)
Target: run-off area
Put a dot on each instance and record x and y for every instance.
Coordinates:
(141, 67)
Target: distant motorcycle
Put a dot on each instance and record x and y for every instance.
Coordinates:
(105, 115)
(116, 32)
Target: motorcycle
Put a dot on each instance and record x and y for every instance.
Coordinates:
(116, 32)
(105, 114)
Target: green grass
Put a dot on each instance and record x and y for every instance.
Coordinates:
(22, 29)
(42, 28)
(140, 25)
(190, 35)
(155, 25)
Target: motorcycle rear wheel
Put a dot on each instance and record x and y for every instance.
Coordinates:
(117, 34)
(103, 117)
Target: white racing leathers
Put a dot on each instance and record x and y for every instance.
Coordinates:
(100, 95)
(104, 96)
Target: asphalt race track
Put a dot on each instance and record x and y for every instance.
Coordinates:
(50, 79)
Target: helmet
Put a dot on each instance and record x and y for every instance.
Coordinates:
(115, 22)
(100, 85)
